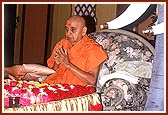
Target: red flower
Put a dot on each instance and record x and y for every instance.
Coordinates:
(90, 89)
(69, 94)
(75, 92)
(35, 91)
(8, 87)
(61, 94)
(23, 91)
(51, 95)
(55, 86)
(80, 92)
(67, 86)
(46, 89)
(25, 85)
(57, 97)
(13, 83)
(97, 107)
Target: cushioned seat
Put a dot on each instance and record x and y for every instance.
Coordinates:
(124, 77)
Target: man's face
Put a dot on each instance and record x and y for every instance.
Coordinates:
(74, 31)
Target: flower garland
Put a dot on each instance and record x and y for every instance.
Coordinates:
(34, 92)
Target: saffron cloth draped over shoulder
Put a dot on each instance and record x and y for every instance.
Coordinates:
(86, 55)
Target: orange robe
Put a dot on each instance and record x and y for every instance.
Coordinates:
(86, 55)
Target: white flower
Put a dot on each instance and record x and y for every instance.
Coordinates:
(72, 86)
(32, 99)
(37, 100)
(51, 88)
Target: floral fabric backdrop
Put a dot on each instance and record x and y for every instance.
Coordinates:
(127, 53)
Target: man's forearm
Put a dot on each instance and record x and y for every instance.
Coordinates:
(84, 76)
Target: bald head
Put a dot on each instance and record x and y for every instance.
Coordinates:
(78, 19)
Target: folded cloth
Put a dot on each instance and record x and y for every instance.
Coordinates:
(28, 71)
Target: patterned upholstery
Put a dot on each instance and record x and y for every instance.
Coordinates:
(124, 78)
